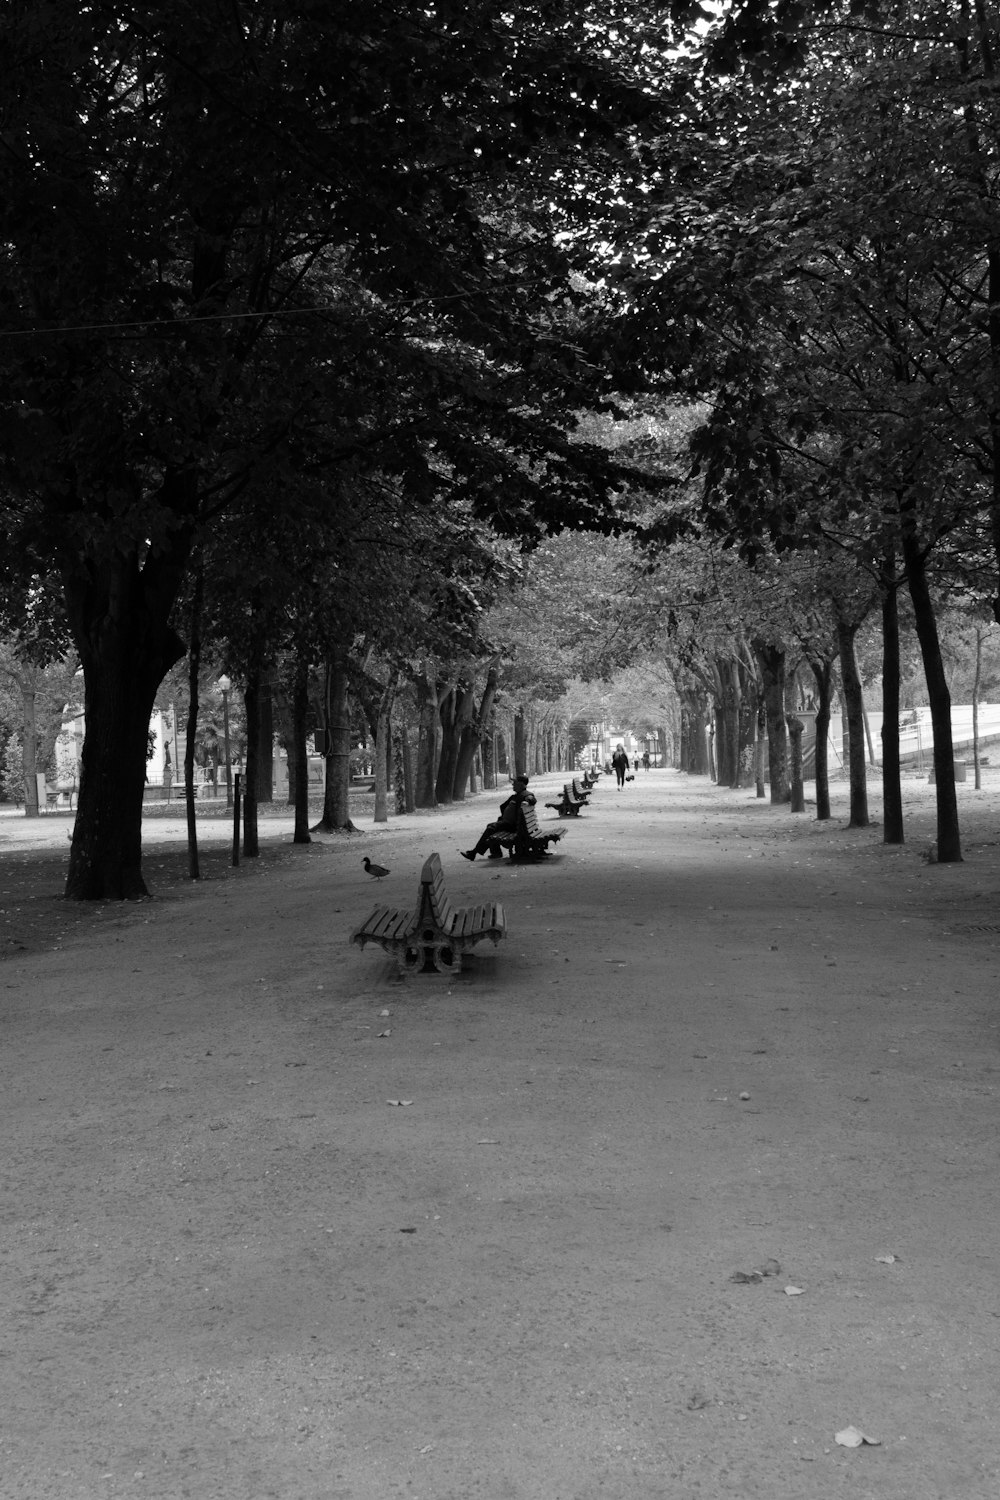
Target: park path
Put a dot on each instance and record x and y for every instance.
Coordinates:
(719, 1042)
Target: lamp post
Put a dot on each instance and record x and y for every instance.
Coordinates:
(224, 686)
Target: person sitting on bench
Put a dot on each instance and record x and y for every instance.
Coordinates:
(506, 823)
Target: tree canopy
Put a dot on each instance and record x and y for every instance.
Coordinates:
(313, 315)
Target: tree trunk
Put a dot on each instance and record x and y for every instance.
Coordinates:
(977, 683)
(336, 807)
(427, 733)
(451, 730)
(194, 670)
(288, 745)
(694, 736)
(746, 720)
(382, 751)
(857, 768)
(474, 729)
(760, 747)
(949, 844)
(520, 767)
(823, 672)
(771, 659)
(264, 780)
(892, 789)
(728, 723)
(298, 760)
(797, 796)
(466, 741)
(251, 701)
(404, 771)
(29, 750)
(119, 624)
(869, 742)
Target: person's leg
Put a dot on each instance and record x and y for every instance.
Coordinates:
(485, 840)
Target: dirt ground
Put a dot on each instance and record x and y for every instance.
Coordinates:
(694, 1172)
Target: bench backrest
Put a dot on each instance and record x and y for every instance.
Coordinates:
(435, 907)
(531, 823)
(570, 794)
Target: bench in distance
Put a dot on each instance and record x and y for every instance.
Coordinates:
(569, 803)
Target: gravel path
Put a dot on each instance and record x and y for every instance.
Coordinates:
(697, 1170)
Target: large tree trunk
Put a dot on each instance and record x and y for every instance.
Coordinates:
(949, 844)
(119, 618)
(405, 802)
(298, 761)
(29, 747)
(823, 672)
(760, 746)
(977, 683)
(449, 709)
(746, 720)
(490, 749)
(194, 670)
(797, 798)
(473, 731)
(857, 768)
(728, 750)
(694, 736)
(382, 751)
(264, 779)
(520, 767)
(892, 789)
(427, 738)
(771, 659)
(336, 814)
(251, 701)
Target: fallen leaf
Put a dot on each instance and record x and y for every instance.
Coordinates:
(794, 1291)
(853, 1437)
(887, 1260)
(746, 1277)
(401, 1102)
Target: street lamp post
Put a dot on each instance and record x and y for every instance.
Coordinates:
(225, 685)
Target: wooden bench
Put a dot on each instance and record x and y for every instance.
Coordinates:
(529, 840)
(569, 804)
(435, 935)
(582, 792)
(590, 779)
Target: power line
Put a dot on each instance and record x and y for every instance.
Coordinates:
(25, 333)
(235, 317)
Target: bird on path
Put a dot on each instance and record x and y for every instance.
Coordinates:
(378, 871)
